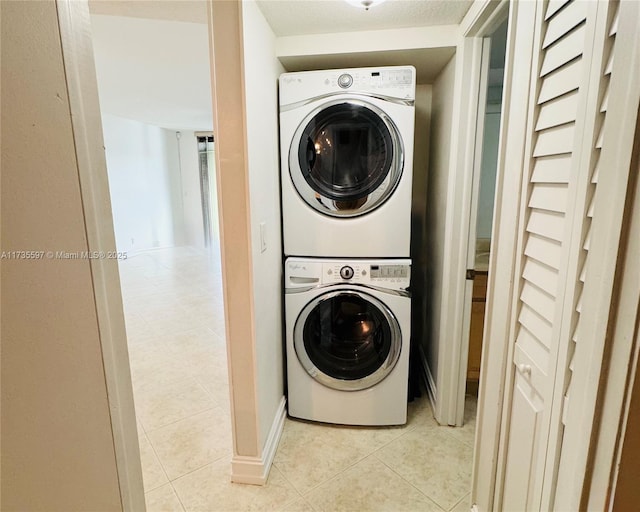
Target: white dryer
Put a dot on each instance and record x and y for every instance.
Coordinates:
(346, 146)
(347, 340)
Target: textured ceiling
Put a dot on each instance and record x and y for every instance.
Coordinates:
(298, 17)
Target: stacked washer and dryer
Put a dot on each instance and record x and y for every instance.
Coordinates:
(346, 141)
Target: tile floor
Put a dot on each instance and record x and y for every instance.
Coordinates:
(175, 326)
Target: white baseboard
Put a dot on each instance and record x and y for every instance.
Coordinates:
(255, 470)
(429, 381)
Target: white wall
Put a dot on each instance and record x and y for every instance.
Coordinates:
(441, 131)
(261, 74)
(144, 180)
(191, 195)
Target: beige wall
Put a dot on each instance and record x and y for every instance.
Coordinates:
(57, 442)
(235, 217)
(245, 114)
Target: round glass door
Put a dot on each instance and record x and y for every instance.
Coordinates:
(346, 158)
(347, 340)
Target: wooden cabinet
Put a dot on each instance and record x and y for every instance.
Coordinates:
(478, 303)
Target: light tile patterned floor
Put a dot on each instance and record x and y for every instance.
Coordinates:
(175, 326)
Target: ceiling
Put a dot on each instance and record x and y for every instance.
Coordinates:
(154, 71)
(194, 11)
(299, 17)
(152, 56)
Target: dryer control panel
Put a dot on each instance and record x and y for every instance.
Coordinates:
(390, 81)
(393, 274)
(372, 79)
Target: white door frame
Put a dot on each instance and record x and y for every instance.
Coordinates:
(77, 49)
(481, 20)
(502, 259)
(463, 360)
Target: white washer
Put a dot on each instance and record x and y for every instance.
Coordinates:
(346, 148)
(348, 330)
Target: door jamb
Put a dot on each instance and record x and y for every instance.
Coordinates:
(474, 177)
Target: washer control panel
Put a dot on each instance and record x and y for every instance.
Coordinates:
(389, 271)
(366, 272)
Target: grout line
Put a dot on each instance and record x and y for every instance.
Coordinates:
(164, 471)
(357, 461)
(456, 438)
(210, 463)
(333, 477)
(300, 496)
(177, 496)
(190, 416)
(468, 495)
(410, 483)
(197, 469)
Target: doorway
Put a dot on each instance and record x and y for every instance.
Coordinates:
(483, 198)
(208, 191)
(171, 281)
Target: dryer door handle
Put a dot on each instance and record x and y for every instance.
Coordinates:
(311, 156)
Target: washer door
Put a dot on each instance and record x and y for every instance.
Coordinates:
(346, 158)
(347, 340)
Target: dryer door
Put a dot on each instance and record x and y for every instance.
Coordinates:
(347, 340)
(346, 158)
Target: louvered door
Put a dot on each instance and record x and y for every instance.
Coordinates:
(555, 198)
(606, 65)
(568, 494)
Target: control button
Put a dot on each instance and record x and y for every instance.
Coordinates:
(345, 80)
(329, 272)
(346, 272)
(364, 272)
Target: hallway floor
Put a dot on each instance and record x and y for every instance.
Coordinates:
(175, 327)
